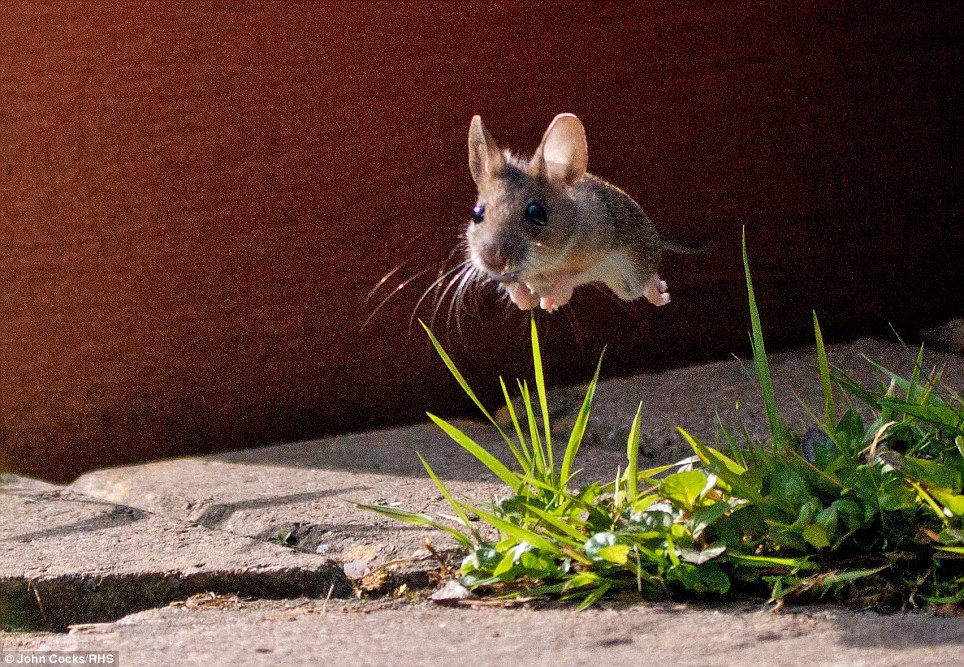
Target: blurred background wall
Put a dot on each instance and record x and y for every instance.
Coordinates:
(196, 198)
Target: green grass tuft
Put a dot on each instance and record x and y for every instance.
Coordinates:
(870, 512)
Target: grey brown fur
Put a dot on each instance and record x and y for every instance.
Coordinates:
(592, 232)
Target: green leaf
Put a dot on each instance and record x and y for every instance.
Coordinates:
(929, 501)
(852, 575)
(505, 566)
(715, 580)
(726, 468)
(788, 489)
(850, 513)
(931, 473)
(950, 599)
(598, 542)
(952, 501)
(827, 519)
(704, 517)
(683, 488)
(938, 415)
(958, 551)
(852, 426)
(685, 573)
(895, 495)
(616, 553)
(484, 558)
(594, 597)
(536, 565)
(582, 579)
(816, 535)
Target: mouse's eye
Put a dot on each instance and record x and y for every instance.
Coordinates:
(536, 214)
(478, 213)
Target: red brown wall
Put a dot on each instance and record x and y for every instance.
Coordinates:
(195, 200)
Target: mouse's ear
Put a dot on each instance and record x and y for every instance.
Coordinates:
(485, 158)
(563, 154)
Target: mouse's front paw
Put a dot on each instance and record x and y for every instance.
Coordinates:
(557, 296)
(522, 296)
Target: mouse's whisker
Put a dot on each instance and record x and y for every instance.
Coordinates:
(395, 290)
(414, 241)
(442, 273)
(458, 297)
(386, 278)
(468, 278)
(450, 282)
(435, 286)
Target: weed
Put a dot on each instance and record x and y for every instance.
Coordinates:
(866, 511)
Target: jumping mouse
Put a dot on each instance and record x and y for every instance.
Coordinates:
(544, 226)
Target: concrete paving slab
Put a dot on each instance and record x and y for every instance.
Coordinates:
(144, 535)
(304, 495)
(314, 632)
(67, 558)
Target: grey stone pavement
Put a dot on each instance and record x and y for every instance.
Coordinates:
(257, 556)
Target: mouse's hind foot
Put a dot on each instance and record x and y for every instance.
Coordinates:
(656, 291)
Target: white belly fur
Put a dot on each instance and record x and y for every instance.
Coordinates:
(618, 273)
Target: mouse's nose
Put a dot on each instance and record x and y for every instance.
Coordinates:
(494, 257)
(501, 256)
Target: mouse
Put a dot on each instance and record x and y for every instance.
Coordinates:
(543, 226)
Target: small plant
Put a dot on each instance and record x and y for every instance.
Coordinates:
(867, 511)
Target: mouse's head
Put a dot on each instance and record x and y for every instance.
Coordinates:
(523, 218)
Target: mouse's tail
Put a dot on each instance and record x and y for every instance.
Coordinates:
(683, 246)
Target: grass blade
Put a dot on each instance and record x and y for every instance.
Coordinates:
(594, 597)
(801, 563)
(632, 456)
(830, 414)
(517, 532)
(541, 391)
(579, 428)
(538, 453)
(575, 538)
(760, 356)
(418, 520)
(453, 369)
(478, 451)
(456, 506)
(527, 464)
(915, 374)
